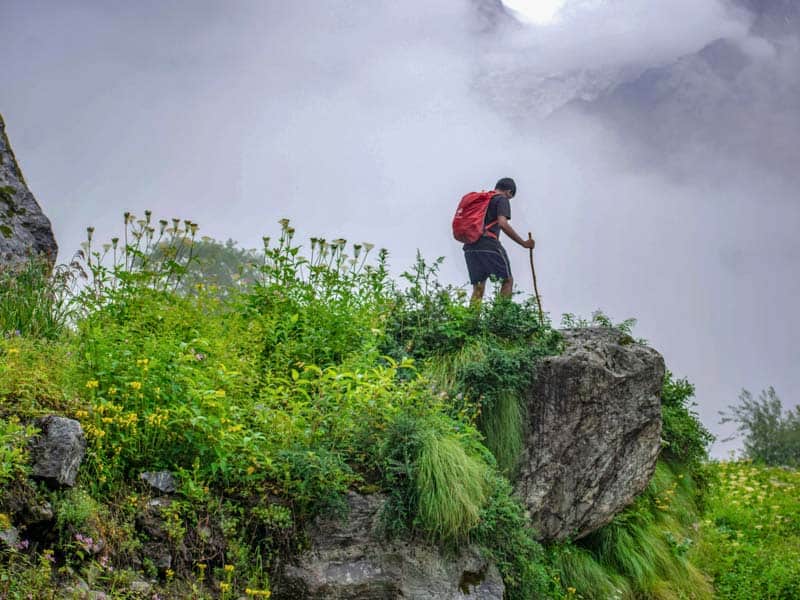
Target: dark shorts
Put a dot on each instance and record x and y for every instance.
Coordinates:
(485, 262)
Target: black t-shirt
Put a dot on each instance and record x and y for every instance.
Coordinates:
(498, 206)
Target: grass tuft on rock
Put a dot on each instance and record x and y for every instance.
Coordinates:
(451, 486)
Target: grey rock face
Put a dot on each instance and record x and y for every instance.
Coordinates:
(349, 560)
(594, 432)
(152, 522)
(24, 229)
(58, 451)
(162, 481)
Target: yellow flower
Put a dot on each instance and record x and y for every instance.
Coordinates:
(12, 351)
(92, 384)
(220, 393)
(229, 568)
(136, 385)
(224, 587)
(571, 590)
(250, 470)
(112, 390)
(170, 574)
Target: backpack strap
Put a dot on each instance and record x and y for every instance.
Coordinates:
(486, 231)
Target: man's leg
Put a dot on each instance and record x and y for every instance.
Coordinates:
(507, 288)
(477, 293)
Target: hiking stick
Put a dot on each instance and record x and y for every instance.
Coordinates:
(536, 287)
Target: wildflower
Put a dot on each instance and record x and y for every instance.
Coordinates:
(368, 246)
(224, 587)
(170, 574)
(92, 384)
(251, 469)
(112, 390)
(12, 351)
(90, 232)
(104, 563)
(284, 223)
(571, 590)
(136, 385)
(229, 568)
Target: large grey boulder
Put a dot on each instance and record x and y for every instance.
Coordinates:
(58, 451)
(24, 229)
(594, 432)
(348, 559)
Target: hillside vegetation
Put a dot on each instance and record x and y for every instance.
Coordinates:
(272, 389)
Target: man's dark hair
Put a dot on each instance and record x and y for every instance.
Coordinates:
(506, 184)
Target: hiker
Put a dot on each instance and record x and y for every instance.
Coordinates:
(483, 251)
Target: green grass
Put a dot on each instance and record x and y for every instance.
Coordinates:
(35, 302)
(452, 488)
(500, 414)
(273, 398)
(750, 535)
(643, 551)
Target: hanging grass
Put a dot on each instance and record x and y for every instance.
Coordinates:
(451, 487)
(646, 545)
(502, 415)
(581, 574)
(35, 300)
(501, 425)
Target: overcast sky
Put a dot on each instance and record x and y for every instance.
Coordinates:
(369, 119)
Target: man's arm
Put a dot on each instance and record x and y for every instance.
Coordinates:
(509, 231)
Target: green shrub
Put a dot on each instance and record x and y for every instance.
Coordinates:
(686, 438)
(14, 439)
(505, 536)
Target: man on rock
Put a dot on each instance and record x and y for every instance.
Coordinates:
(487, 257)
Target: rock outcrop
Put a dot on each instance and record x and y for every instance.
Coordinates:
(58, 451)
(594, 433)
(348, 559)
(24, 229)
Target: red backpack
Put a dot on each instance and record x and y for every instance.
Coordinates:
(468, 224)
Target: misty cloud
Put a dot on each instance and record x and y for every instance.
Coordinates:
(368, 120)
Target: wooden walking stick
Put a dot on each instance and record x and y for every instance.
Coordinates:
(536, 287)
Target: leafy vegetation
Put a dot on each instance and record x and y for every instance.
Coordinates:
(771, 435)
(272, 383)
(749, 539)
